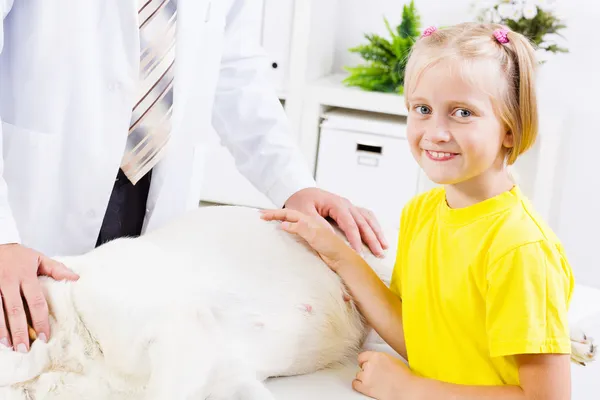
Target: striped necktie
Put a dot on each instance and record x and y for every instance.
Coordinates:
(150, 126)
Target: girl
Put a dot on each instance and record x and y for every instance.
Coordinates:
(480, 290)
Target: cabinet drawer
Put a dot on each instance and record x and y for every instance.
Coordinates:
(372, 171)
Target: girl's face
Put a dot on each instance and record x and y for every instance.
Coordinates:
(453, 131)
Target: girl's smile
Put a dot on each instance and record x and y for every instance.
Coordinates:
(440, 155)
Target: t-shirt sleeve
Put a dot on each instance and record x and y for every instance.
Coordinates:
(527, 300)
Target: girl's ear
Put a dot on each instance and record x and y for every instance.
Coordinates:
(508, 141)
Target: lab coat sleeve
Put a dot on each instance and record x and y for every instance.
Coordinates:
(8, 227)
(249, 117)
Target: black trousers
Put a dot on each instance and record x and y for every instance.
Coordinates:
(126, 209)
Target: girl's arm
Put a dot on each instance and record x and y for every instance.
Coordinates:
(380, 307)
(542, 376)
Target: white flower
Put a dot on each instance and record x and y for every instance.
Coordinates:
(546, 5)
(496, 19)
(491, 16)
(529, 10)
(516, 13)
(505, 10)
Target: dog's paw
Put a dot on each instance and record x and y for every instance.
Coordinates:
(583, 347)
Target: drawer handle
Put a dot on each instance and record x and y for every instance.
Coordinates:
(368, 148)
(368, 161)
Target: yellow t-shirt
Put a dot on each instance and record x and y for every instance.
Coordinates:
(479, 285)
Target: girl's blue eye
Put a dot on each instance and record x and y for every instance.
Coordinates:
(462, 113)
(423, 110)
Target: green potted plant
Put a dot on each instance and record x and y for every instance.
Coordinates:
(386, 59)
(538, 20)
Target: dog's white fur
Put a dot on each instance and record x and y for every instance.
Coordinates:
(207, 307)
(210, 305)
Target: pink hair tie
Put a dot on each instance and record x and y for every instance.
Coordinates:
(428, 31)
(501, 35)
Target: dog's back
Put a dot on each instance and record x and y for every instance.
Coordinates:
(216, 300)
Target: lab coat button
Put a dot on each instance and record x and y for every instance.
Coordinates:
(91, 214)
(114, 86)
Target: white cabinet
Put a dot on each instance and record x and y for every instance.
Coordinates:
(366, 158)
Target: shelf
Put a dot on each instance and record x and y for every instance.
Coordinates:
(330, 91)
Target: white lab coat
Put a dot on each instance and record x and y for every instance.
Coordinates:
(68, 72)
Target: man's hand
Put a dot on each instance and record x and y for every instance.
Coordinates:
(19, 269)
(358, 224)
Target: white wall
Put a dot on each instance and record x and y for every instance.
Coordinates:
(579, 211)
(366, 16)
(576, 212)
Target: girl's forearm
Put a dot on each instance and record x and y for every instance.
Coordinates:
(432, 389)
(381, 308)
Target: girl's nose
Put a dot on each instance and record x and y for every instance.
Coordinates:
(438, 131)
(438, 135)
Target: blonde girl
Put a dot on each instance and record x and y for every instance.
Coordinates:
(480, 290)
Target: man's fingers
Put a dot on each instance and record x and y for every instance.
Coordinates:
(17, 321)
(367, 233)
(374, 224)
(4, 335)
(347, 224)
(56, 270)
(38, 308)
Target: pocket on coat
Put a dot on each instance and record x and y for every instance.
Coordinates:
(30, 161)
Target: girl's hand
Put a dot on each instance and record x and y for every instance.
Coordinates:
(319, 235)
(384, 377)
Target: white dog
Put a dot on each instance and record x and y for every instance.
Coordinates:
(207, 307)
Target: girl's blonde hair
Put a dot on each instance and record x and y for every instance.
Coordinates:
(474, 45)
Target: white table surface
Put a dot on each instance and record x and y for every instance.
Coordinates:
(330, 384)
(336, 383)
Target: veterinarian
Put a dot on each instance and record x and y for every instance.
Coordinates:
(103, 107)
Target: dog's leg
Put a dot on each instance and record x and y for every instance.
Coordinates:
(183, 356)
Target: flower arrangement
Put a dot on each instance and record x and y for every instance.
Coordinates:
(538, 20)
(386, 59)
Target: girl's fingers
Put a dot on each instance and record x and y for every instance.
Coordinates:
(280, 215)
(364, 357)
